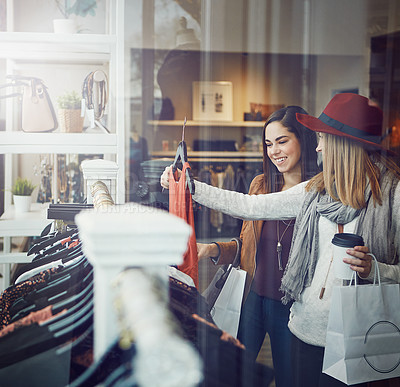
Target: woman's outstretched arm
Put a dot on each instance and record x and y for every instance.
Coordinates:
(279, 205)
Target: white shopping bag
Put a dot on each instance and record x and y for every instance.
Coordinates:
(227, 307)
(363, 335)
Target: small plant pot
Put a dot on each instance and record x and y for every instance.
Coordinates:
(22, 203)
(70, 120)
(64, 26)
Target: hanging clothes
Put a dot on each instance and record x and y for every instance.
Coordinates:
(180, 204)
(229, 184)
(216, 217)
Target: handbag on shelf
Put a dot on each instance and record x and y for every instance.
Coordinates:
(37, 111)
(363, 334)
(225, 294)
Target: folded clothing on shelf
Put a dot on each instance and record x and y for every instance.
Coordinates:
(215, 145)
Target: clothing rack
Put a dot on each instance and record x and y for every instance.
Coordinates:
(108, 286)
(161, 351)
(66, 211)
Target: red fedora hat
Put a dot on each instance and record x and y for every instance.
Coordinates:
(349, 115)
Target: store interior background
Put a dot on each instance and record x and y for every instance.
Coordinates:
(292, 52)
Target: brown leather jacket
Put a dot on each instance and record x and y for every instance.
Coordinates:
(250, 237)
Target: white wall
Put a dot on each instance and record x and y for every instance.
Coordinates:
(335, 31)
(38, 15)
(284, 26)
(338, 72)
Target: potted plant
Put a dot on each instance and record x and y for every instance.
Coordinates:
(69, 112)
(70, 7)
(22, 191)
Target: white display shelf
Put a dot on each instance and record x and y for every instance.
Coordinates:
(57, 48)
(24, 224)
(9, 258)
(30, 223)
(52, 51)
(25, 50)
(66, 143)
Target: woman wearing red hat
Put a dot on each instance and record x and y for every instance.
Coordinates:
(358, 189)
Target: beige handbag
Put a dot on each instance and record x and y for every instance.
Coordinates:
(37, 111)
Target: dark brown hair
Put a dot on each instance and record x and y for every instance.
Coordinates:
(273, 179)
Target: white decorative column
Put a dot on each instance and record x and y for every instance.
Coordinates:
(129, 235)
(103, 170)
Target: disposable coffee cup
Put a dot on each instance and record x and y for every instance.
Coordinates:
(341, 242)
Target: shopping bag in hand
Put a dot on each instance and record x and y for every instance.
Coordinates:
(227, 307)
(363, 335)
(225, 294)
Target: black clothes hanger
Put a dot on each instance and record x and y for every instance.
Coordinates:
(52, 248)
(55, 254)
(181, 155)
(66, 322)
(52, 251)
(46, 230)
(64, 255)
(64, 300)
(27, 342)
(40, 332)
(66, 211)
(42, 241)
(107, 368)
(60, 285)
(50, 239)
(46, 368)
(75, 302)
(62, 281)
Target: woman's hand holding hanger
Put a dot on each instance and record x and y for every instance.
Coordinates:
(164, 179)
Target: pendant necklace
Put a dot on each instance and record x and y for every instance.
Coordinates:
(279, 244)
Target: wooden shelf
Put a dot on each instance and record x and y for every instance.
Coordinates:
(232, 124)
(209, 154)
(231, 157)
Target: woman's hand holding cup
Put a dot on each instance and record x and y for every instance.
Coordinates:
(349, 255)
(361, 261)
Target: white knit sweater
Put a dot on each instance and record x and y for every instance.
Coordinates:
(308, 316)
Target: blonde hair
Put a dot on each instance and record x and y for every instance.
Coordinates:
(347, 169)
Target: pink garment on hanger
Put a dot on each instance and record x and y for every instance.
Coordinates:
(180, 204)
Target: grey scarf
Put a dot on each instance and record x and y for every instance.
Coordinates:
(303, 255)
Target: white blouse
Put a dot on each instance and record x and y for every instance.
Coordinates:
(308, 316)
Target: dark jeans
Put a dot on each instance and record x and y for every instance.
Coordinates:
(307, 367)
(259, 316)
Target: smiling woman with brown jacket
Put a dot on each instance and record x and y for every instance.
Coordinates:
(289, 157)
